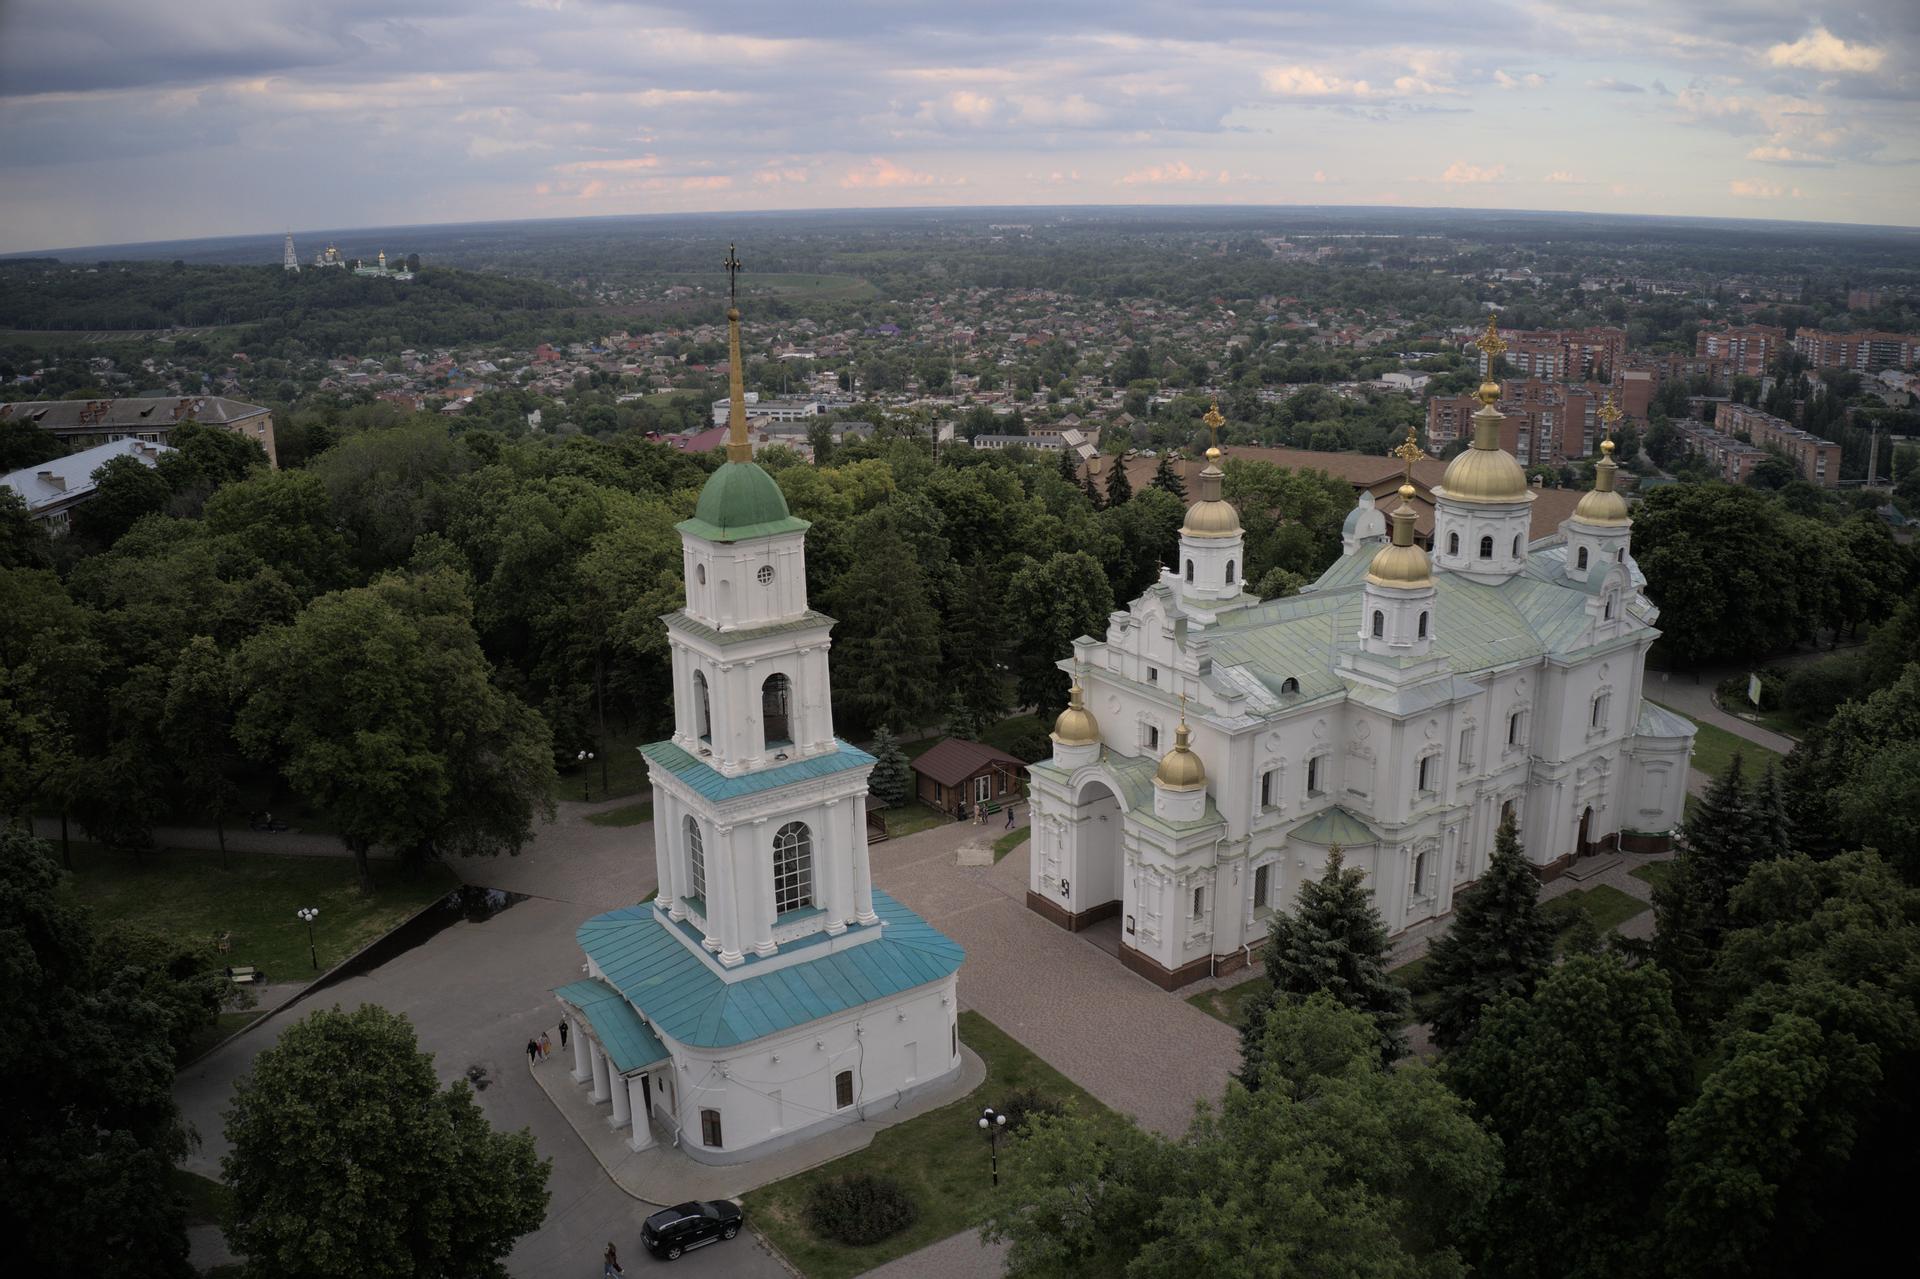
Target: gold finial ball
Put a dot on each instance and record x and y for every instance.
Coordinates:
(1606, 446)
(1213, 455)
(733, 313)
(1406, 492)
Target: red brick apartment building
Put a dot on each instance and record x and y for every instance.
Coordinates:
(1866, 351)
(1575, 355)
(1748, 349)
(1818, 459)
(1544, 420)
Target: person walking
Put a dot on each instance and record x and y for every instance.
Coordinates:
(610, 1264)
(1009, 816)
(546, 1046)
(533, 1052)
(563, 1032)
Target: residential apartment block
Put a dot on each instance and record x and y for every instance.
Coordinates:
(1866, 351)
(52, 489)
(1748, 349)
(1544, 420)
(149, 419)
(1565, 354)
(1818, 459)
(1731, 460)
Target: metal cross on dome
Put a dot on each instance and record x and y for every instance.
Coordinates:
(1610, 413)
(1409, 452)
(1214, 422)
(1490, 344)
(733, 272)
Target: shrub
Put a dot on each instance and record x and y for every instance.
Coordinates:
(1030, 747)
(1816, 689)
(1023, 1104)
(860, 1209)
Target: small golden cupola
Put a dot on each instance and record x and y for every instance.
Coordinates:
(1076, 725)
(1180, 769)
(1397, 600)
(1486, 472)
(1603, 505)
(1211, 515)
(1212, 551)
(1402, 563)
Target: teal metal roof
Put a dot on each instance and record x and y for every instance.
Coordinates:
(661, 975)
(1658, 721)
(627, 1039)
(712, 784)
(1334, 826)
(740, 502)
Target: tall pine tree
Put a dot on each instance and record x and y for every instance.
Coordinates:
(1333, 941)
(1070, 467)
(1499, 944)
(1119, 487)
(974, 641)
(1167, 479)
(889, 636)
(892, 778)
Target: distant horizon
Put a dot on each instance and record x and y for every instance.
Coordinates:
(154, 121)
(1143, 210)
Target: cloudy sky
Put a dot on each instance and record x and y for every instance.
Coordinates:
(125, 120)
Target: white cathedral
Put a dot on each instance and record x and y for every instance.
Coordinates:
(768, 992)
(1217, 748)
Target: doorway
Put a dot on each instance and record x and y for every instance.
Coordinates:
(1586, 830)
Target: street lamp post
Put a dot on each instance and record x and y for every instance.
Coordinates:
(993, 1124)
(585, 757)
(308, 914)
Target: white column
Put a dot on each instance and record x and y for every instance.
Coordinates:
(862, 876)
(830, 863)
(601, 1091)
(720, 892)
(762, 908)
(636, 1104)
(668, 836)
(622, 1104)
(582, 1068)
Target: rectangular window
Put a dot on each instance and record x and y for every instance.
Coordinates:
(1314, 779)
(956, 1038)
(1426, 773)
(1153, 674)
(982, 789)
(1466, 747)
(1266, 789)
(1150, 736)
(1199, 902)
(1260, 887)
(1420, 875)
(843, 1089)
(1513, 729)
(710, 1128)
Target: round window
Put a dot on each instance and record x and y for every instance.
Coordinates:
(765, 574)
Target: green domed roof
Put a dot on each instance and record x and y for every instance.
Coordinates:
(741, 501)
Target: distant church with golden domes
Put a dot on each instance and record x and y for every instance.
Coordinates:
(1217, 747)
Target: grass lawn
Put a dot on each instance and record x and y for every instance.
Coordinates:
(939, 1157)
(626, 771)
(1225, 1004)
(911, 818)
(630, 815)
(1604, 904)
(1714, 748)
(187, 893)
(1655, 873)
(1009, 841)
(914, 750)
(207, 1199)
(1010, 730)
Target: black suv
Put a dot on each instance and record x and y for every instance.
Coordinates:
(672, 1231)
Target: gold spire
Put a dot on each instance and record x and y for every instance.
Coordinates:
(1180, 768)
(1401, 563)
(1486, 472)
(1492, 347)
(1076, 725)
(1211, 515)
(1603, 505)
(738, 448)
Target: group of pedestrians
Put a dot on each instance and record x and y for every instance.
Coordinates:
(538, 1050)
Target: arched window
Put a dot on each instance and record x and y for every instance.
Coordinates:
(776, 710)
(1379, 623)
(702, 712)
(1513, 729)
(696, 862)
(793, 868)
(1486, 548)
(700, 574)
(1229, 570)
(1423, 626)
(1516, 548)
(1420, 875)
(1453, 543)
(1189, 570)
(1620, 556)
(1609, 613)
(1580, 561)
(1289, 685)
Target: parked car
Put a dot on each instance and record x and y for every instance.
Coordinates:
(672, 1231)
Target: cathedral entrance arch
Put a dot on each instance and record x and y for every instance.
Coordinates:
(1586, 831)
(1092, 874)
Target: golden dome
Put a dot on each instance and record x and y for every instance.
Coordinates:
(1216, 518)
(1486, 472)
(1076, 725)
(1603, 505)
(1401, 563)
(1180, 768)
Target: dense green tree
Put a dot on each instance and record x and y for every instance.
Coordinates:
(197, 728)
(87, 1119)
(974, 645)
(379, 708)
(23, 540)
(202, 458)
(1498, 945)
(1578, 1084)
(433, 1190)
(1119, 486)
(1167, 479)
(1053, 602)
(892, 779)
(124, 490)
(1333, 942)
(1336, 1165)
(51, 670)
(889, 657)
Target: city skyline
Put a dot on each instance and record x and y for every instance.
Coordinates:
(223, 118)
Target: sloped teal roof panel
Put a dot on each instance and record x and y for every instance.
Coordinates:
(712, 784)
(645, 961)
(1333, 826)
(628, 1040)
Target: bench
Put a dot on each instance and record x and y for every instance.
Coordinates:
(245, 976)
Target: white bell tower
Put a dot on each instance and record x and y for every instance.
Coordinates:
(1212, 550)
